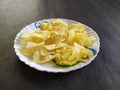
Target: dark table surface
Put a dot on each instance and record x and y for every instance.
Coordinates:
(102, 15)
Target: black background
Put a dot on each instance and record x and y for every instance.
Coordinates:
(102, 15)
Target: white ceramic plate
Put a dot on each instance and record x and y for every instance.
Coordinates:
(50, 67)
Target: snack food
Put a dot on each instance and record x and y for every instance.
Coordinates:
(58, 42)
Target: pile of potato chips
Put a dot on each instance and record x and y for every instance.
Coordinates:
(57, 40)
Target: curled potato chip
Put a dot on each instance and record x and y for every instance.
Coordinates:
(32, 45)
(59, 22)
(78, 27)
(44, 25)
(42, 59)
(26, 37)
(26, 51)
(71, 36)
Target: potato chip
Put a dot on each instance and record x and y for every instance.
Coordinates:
(42, 59)
(78, 27)
(71, 36)
(43, 25)
(59, 22)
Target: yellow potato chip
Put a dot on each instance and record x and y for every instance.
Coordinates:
(26, 51)
(42, 59)
(43, 25)
(59, 22)
(78, 27)
(71, 36)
